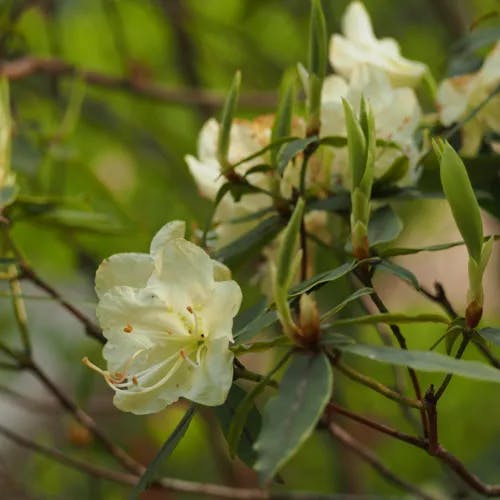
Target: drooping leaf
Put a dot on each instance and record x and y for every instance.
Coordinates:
(226, 412)
(290, 150)
(384, 226)
(491, 335)
(321, 278)
(256, 326)
(290, 417)
(227, 121)
(354, 296)
(242, 411)
(425, 361)
(247, 244)
(399, 271)
(165, 451)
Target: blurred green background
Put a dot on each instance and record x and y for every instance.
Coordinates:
(102, 169)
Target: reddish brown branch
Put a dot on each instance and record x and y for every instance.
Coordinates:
(27, 66)
(368, 456)
(91, 328)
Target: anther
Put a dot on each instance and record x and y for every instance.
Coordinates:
(128, 329)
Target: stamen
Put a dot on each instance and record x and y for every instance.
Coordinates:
(188, 359)
(91, 365)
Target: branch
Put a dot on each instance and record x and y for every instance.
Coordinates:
(86, 420)
(27, 66)
(368, 456)
(439, 297)
(91, 328)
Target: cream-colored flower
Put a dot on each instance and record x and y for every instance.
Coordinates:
(397, 116)
(459, 95)
(359, 45)
(247, 137)
(167, 317)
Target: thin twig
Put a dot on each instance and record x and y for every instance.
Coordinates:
(368, 456)
(91, 328)
(86, 420)
(440, 298)
(375, 385)
(458, 355)
(26, 66)
(407, 438)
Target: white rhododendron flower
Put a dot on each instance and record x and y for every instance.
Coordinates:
(459, 95)
(397, 116)
(246, 138)
(359, 45)
(167, 317)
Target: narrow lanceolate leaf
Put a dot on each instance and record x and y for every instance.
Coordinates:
(225, 414)
(322, 278)
(227, 120)
(290, 150)
(399, 271)
(393, 318)
(353, 297)
(166, 450)
(282, 125)
(384, 226)
(243, 410)
(256, 326)
(491, 335)
(463, 203)
(425, 360)
(317, 41)
(288, 247)
(290, 417)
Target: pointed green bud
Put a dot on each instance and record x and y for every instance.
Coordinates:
(463, 203)
(227, 120)
(356, 145)
(5, 131)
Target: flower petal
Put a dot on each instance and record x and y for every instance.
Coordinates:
(170, 231)
(132, 269)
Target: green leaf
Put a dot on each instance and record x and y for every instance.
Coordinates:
(384, 226)
(283, 121)
(356, 145)
(79, 220)
(227, 121)
(321, 278)
(253, 216)
(425, 361)
(463, 202)
(290, 150)
(354, 296)
(318, 56)
(271, 146)
(335, 339)
(226, 412)
(392, 318)
(337, 203)
(242, 412)
(288, 247)
(399, 271)
(247, 244)
(8, 195)
(491, 335)
(396, 171)
(289, 418)
(256, 326)
(166, 450)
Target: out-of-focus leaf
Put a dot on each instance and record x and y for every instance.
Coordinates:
(248, 244)
(283, 122)
(491, 335)
(227, 120)
(392, 318)
(324, 277)
(425, 361)
(256, 326)
(384, 226)
(290, 150)
(165, 451)
(399, 271)
(241, 414)
(340, 203)
(354, 296)
(290, 417)
(396, 171)
(8, 195)
(226, 412)
(81, 221)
